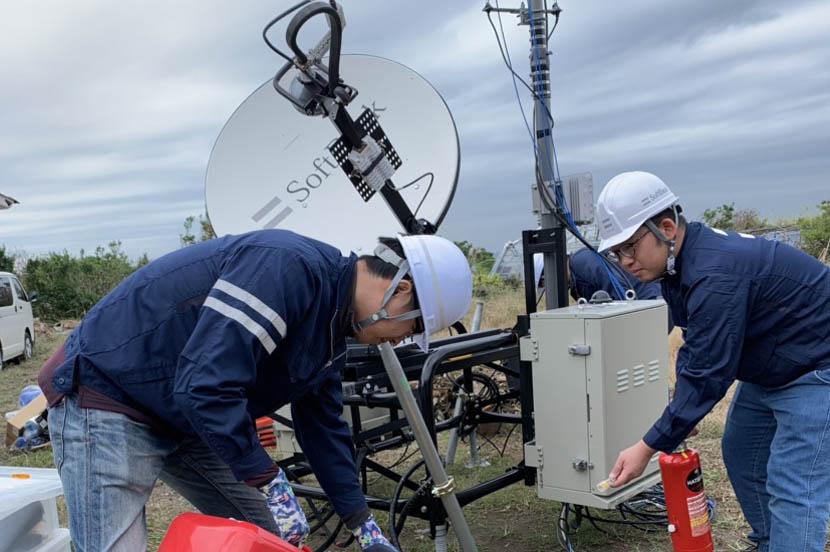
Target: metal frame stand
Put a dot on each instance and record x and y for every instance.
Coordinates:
(443, 486)
(475, 460)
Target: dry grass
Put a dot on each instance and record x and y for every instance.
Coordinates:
(513, 518)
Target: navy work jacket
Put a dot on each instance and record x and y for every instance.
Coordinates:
(210, 337)
(753, 310)
(588, 274)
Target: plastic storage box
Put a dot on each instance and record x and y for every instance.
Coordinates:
(28, 511)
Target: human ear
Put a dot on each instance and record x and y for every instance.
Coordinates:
(669, 228)
(404, 287)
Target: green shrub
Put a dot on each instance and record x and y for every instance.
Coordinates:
(69, 286)
(815, 233)
(486, 284)
(6, 260)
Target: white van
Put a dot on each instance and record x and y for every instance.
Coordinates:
(17, 329)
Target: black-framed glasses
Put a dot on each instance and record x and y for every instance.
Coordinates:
(627, 249)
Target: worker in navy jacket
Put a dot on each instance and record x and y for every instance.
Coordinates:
(588, 272)
(752, 310)
(164, 377)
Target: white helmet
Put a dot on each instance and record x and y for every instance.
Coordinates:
(627, 202)
(442, 279)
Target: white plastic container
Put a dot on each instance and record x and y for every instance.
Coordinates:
(59, 542)
(28, 511)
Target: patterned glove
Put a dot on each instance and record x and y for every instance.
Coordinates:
(370, 538)
(287, 512)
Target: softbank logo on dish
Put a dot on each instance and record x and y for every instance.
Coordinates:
(299, 190)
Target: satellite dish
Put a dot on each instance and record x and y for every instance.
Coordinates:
(7, 201)
(271, 167)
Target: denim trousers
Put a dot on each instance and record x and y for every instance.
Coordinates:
(776, 447)
(109, 464)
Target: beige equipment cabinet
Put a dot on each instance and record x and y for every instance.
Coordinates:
(600, 380)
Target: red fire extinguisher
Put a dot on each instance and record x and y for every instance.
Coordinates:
(686, 503)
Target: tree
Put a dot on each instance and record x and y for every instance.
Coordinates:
(749, 219)
(206, 231)
(726, 217)
(815, 233)
(6, 260)
(722, 217)
(69, 286)
(479, 258)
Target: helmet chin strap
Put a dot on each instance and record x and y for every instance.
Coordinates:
(670, 260)
(382, 314)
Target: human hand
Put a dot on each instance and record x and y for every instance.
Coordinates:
(370, 537)
(291, 521)
(631, 463)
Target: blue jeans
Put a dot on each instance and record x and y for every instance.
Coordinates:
(109, 464)
(776, 447)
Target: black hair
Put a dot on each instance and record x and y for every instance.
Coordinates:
(380, 268)
(669, 213)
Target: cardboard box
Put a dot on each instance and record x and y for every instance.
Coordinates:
(14, 427)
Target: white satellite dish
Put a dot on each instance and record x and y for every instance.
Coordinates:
(271, 167)
(7, 201)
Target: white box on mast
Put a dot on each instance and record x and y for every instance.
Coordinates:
(579, 193)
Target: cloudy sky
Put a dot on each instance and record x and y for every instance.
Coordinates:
(109, 110)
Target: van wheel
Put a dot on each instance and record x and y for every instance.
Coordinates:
(28, 346)
(2, 364)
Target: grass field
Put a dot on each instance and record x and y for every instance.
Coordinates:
(511, 519)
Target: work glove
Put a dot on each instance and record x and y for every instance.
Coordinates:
(370, 538)
(291, 522)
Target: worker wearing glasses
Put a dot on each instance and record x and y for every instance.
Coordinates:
(751, 310)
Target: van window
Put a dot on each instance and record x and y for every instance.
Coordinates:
(6, 299)
(18, 289)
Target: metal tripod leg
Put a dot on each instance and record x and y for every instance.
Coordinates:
(444, 487)
(452, 446)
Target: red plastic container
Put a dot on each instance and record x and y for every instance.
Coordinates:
(192, 532)
(686, 503)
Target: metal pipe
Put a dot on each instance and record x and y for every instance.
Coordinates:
(453, 442)
(439, 355)
(441, 482)
(459, 401)
(441, 538)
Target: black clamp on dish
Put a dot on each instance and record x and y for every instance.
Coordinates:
(317, 90)
(316, 85)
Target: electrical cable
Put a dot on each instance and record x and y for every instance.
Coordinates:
(554, 169)
(393, 531)
(426, 193)
(274, 21)
(505, 55)
(645, 512)
(563, 534)
(616, 283)
(607, 262)
(555, 23)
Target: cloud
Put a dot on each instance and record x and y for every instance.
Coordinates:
(110, 110)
